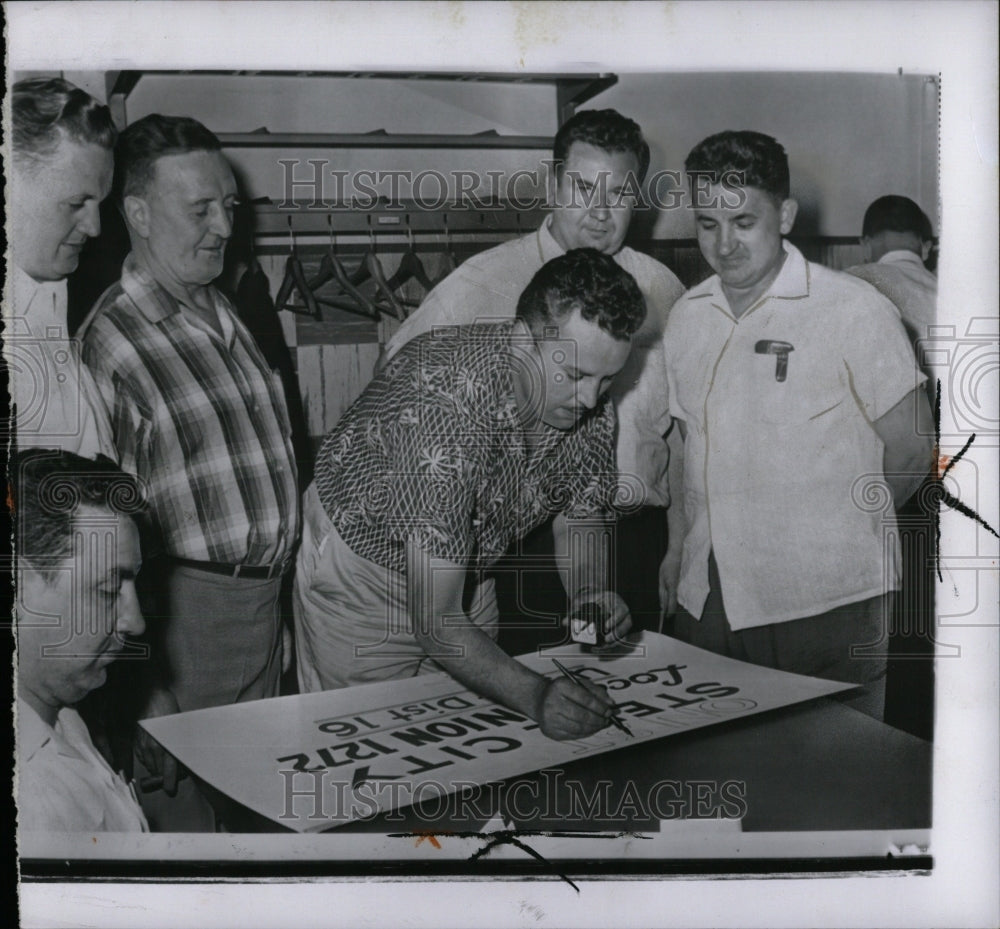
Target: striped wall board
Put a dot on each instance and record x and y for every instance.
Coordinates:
(331, 377)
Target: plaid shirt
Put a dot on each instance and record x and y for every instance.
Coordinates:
(199, 418)
(433, 450)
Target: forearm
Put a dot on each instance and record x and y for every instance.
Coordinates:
(904, 478)
(447, 635)
(907, 432)
(563, 709)
(471, 657)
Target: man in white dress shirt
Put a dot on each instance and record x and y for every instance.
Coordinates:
(61, 169)
(599, 160)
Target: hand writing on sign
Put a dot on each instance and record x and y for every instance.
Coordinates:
(572, 709)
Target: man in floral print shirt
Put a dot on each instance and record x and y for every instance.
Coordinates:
(467, 440)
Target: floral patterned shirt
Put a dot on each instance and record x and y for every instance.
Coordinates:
(434, 451)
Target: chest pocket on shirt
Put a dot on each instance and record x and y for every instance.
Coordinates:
(814, 387)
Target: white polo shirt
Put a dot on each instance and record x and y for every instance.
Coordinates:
(486, 288)
(778, 473)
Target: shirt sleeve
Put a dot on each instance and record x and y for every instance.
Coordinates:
(96, 436)
(643, 412)
(130, 419)
(669, 369)
(879, 356)
(665, 290)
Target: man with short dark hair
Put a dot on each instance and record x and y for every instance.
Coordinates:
(897, 240)
(60, 171)
(460, 445)
(198, 415)
(77, 560)
(600, 159)
(795, 389)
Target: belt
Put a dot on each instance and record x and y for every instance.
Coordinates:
(251, 572)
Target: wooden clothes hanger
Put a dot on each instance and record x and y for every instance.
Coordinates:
(295, 279)
(373, 270)
(411, 268)
(331, 268)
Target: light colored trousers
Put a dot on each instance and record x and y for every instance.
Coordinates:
(352, 625)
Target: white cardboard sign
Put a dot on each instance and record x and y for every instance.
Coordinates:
(315, 761)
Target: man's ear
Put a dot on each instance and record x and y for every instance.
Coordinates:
(136, 212)
(925, 250)
(788, 211)
(866, 248)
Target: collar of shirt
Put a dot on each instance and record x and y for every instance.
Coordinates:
(902, 256)
(156, 303)
(792, 283)
(46, 300)
(33, 733)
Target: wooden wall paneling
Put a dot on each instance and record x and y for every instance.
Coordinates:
(310, 371)
(346, 371)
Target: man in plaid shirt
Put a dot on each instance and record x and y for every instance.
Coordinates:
(199, 417)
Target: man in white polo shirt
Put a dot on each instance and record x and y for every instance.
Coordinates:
(799, 402)
(600, 158)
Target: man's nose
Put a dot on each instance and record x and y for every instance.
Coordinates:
(727, 241)
(90, 224)
(129, 620)
(221, 223)
(589, 393)
(600, 210)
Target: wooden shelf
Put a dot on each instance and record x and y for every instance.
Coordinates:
(388, 219)
(380, 139)
(572, 90)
